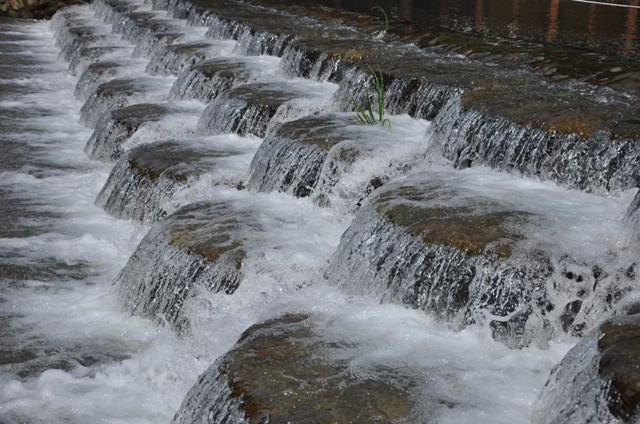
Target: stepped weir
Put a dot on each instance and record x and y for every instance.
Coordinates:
(199, 229)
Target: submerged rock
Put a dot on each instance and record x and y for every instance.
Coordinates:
(282, 371)
(149, 175)
(87, 55)
(248, 108)
(437, 243)
(543, 131)
(206, 80)
(199, 247)
(172, 59)
(333, 158)
(291, 158)
(117, 125)
(119, 93)
(598, 381)
(98, 73)
(135, 24)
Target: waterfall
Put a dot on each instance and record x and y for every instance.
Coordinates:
(632, 218)
(118, 93)
(247, 109)
(384, 272)
(597, 164)
(206, 80)
(196, 248)
(143, 182)
(334, 159)
(117, 125)
(409, 244)
(172, 59)
(314, 64)
(413, 96)
(100, 72)
(593, 382)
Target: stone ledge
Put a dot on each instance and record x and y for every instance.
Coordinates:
(33, 9)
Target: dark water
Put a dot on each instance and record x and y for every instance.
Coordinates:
(602, 27)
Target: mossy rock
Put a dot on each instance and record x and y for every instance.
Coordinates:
(553, 108)
(322, 131)
(135, 115)
(280, 371)
(248, 108)
(619, 364)
(306, 154)
(170, 159)
(267, 96)
(598, 380)
(198, 248)
(121, 88)
(116, 127)
(193, 230)
(473, 232)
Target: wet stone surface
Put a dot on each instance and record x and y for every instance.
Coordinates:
(424, 79)
(619, 347)
(599, 379)
(549, 134)
(86, 55)
(115, 94)
(172, 59)
(119, 124)
(248, 108)
(281, 371)
(555, 108)
(291, 158)
(98, 73)
(150, 174)
(207, 79)
(555, 63)
(199, 247)
(468, 258)
(133, 25)
(265, 21)
(149, 43)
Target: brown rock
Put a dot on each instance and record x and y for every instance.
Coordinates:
(280, 372)
(16, 4)
(619, 344)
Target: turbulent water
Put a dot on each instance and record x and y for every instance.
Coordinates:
(98, 264)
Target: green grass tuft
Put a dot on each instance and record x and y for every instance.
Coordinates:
(365, 114)
(386, 17)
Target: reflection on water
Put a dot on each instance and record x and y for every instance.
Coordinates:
(552, 32)
(604, 27)
(631, 29)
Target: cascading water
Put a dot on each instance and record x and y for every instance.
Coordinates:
(597, 164)
(143, 183)
(375, 278)
(187, 252)
(118, 125)
(174, 58)
(248, 108)
(206, 80)
(441, 243)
